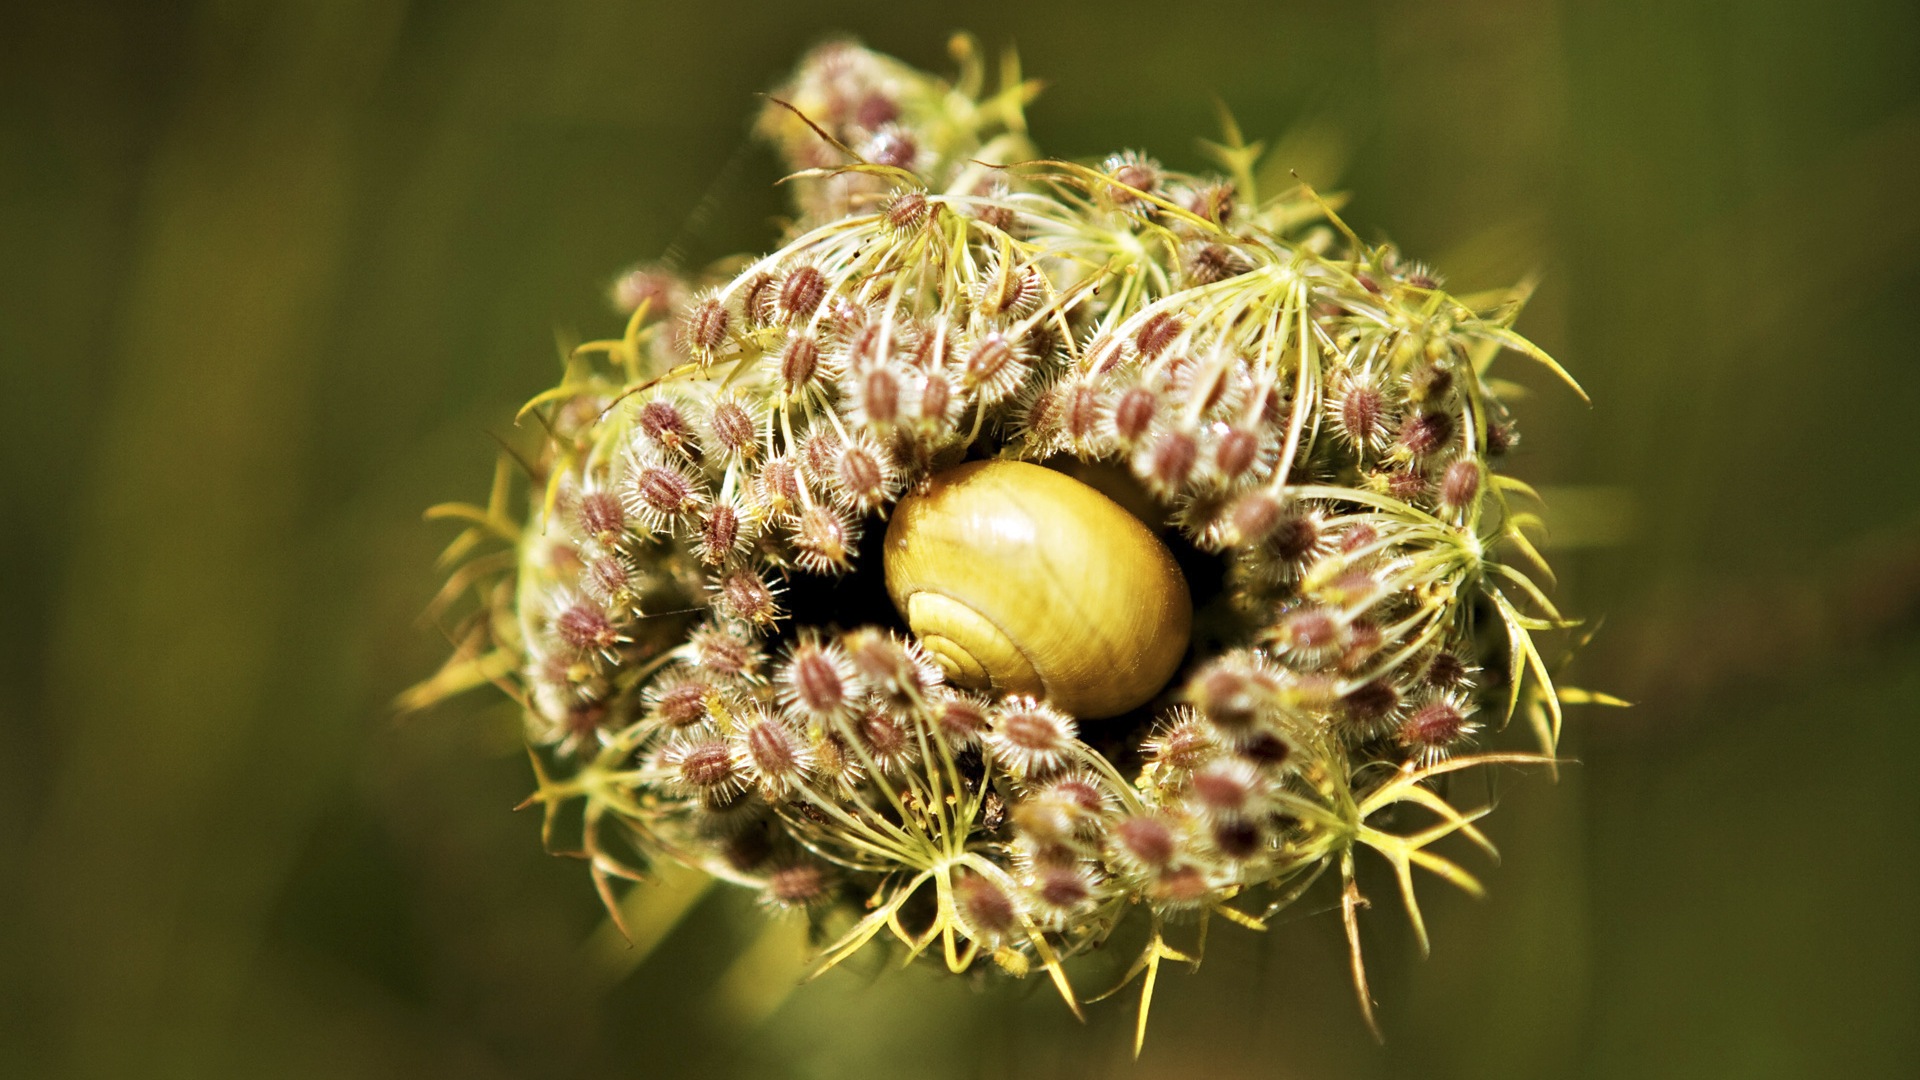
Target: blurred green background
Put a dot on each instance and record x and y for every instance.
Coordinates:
(273, 271)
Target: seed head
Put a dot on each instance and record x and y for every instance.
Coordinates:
(817, 680)
(801, 291)
(1145, 841)
(598, 516)
(1433, 728)
(892, 667)
(1182, 742)
(1373, 705)
(1446, 671)
(611, 580)
(703, 331)
(1208, 263)
(1165, 461)
(1427, 433)
(892, 145)
(994, 368)
(798, 885)
(1160, 330)
(907, 211)
(888, 741)
(1234, 691)
(987, 913)
(1058, 893)
(584, 627)
(1029, 736)
(770, 753)
(1133, 415)
(777, 486)
(799, 364)
(960, 718)
(1228, 787)
(864, 477)
(723, 653)
(1136, 171)
(680, 699)
(823, 540)
(743, 595)
(663, 426)
(1360, 413)
(876, 396)
(758, 299)
(720, 534)
(702, 765)
(1238, 838)
(736, 427)
(1460, 485)
(660, 292)
(660, 494)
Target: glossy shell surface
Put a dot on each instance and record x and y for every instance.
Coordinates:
(1019, 579)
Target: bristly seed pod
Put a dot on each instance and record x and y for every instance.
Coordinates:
(801, 292)
(705, 330)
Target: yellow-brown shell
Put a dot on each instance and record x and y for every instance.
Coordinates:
(1022, 580)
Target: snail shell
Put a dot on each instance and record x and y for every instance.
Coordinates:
(1023, 580)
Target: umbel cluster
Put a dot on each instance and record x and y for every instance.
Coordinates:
(1024, 556)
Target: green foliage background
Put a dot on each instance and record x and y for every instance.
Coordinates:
(273, 270)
